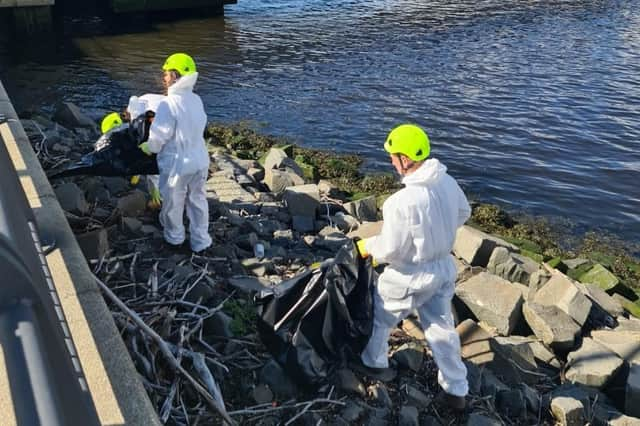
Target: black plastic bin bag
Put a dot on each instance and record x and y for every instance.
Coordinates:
(316, 322)
(116, 153)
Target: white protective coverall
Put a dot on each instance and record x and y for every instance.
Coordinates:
(416, 240)
(177, 136)
(139, 105)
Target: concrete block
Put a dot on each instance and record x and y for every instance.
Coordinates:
(568, 411)
(475, 343)
(302, 200)
(551, 325)
(561, 292)
(364, 209)
(474, 246)
(626, 344)
(493, 300)
(592, 365)
(93, 244)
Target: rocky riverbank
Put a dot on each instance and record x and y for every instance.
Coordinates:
(548, 331)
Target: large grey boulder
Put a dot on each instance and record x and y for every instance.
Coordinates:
(568, 411)
(364, 209)
(544, 355)
(302, 200)
(511, 266)
(632, 394)
(626, 344)
(562, 293)
(493, 300)
(592, 365)
(279, 180)
(71, 198)
(606, 302)
(474, 246)
(551, 325)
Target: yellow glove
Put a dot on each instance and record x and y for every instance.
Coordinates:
(155, 201)
(135, 179)
(144, 147)
(361, 249)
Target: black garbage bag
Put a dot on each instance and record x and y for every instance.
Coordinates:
(316, 322)
(116, 153)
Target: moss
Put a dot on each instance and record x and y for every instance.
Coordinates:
(532, 255)
(556, 263)
(243, 316)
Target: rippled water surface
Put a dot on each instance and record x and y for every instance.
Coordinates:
(535, 105)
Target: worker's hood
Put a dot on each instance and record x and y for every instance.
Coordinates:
(431, 171)
(184, 84)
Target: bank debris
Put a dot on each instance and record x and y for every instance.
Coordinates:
(546, 337)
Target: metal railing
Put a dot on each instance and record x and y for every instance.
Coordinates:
(46, 382)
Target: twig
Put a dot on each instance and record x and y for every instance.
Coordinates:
(270, 409)
(166, 351)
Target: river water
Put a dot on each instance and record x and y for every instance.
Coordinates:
(534, 105)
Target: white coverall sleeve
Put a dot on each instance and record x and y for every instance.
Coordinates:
(390, 243)
(464, 210)
(162, 129)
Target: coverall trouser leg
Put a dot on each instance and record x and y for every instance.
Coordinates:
(394, 299)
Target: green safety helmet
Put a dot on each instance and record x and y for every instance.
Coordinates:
(180, 62)
(410, 140)
(110, 121)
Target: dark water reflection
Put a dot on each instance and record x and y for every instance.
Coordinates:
(531, 104)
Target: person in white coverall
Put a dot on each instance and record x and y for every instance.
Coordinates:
(177, 136)
(420, 223)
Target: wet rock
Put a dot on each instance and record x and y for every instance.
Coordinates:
(219, 324)
(551, 325)
(625, 344)
(408, 416)
(474, 246)
(302, 200)
(475, 343)
(133, 204)
(274, 376)
(131, 225)
(417, 398)
(352, 412)
(150, 230)
(474, 377)
(101, 213)
(493, 300)
(600, 276)
(592, 365)
(265, 227)
(632, 395)
(410, 355)
(71, 198)
(380, 394)
(348, 382)
(94, 244)
(364, 209)
(568, 411)
(559, 291)
(261, 394)
(69, 115)
(477, 419)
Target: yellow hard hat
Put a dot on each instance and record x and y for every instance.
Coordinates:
(110, 121)
(181, 62)
(410, 140)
